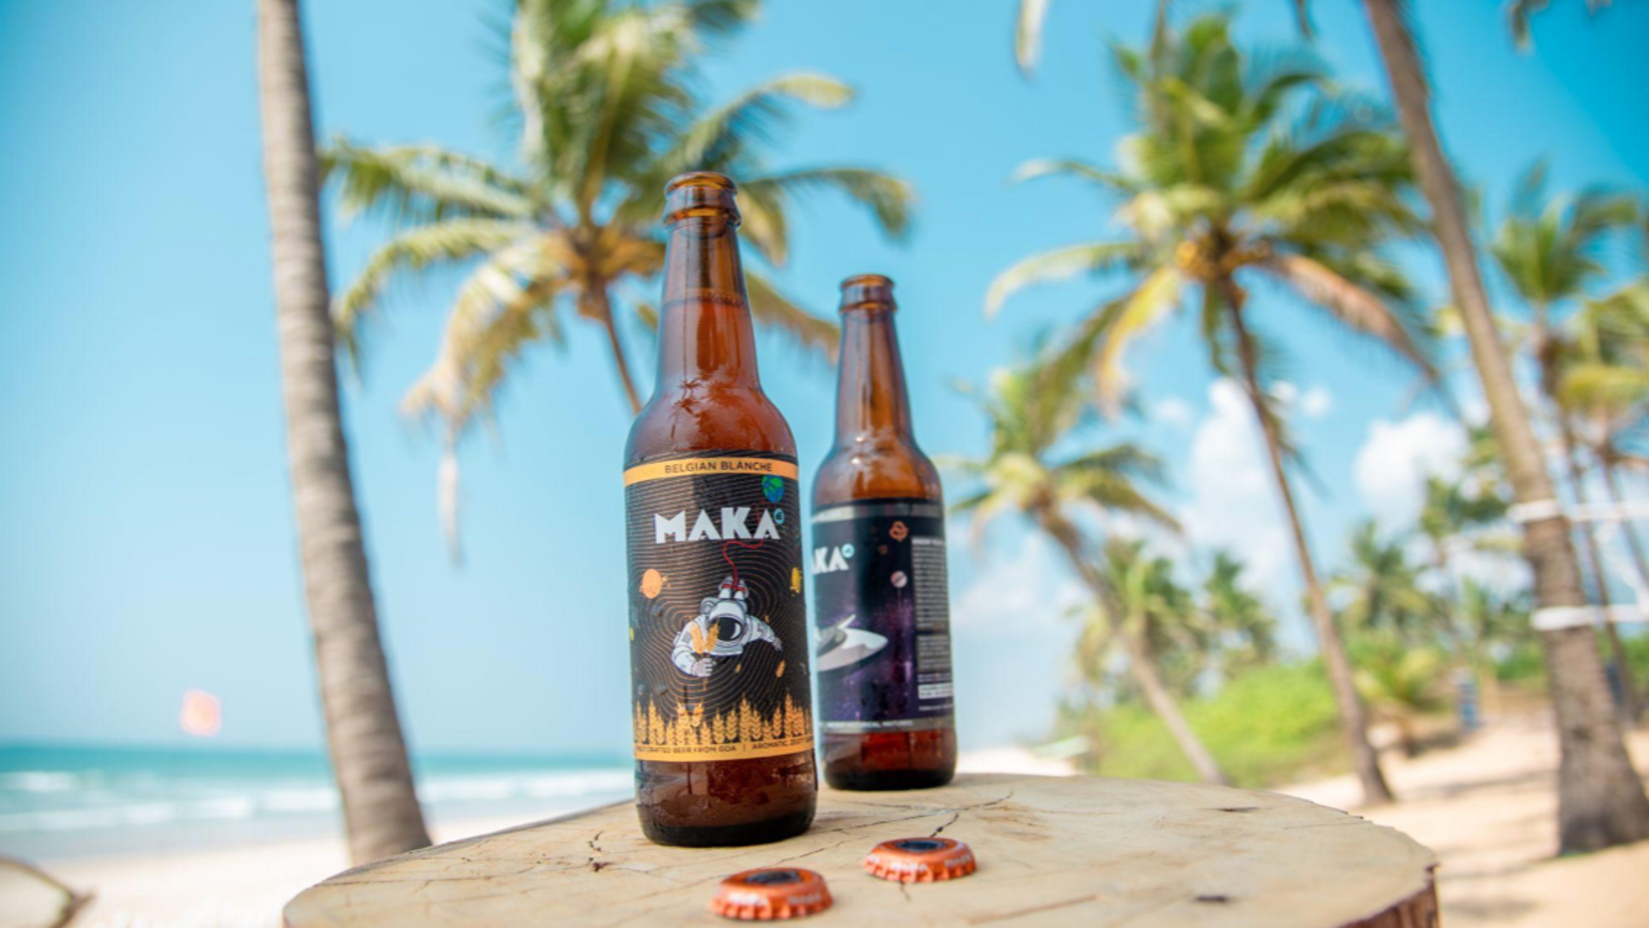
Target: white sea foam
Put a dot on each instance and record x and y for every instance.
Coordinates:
(73, 804)
(497, 787)
(40, 781)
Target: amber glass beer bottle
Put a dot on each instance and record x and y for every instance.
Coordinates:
(878, 566)
(719, 651)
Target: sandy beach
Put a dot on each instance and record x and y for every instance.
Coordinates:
(1486, 807)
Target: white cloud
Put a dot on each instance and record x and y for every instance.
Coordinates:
(1316, 403)
(1233, 502)
(1313, 403)
(1032, 588)
(1173, 411)
(1392, 466)
(1013, 635)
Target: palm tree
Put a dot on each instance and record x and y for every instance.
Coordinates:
(1401, 682)
(1455, 512)
(1157, 611)
(1380, 589)
(605, 99)
(1601, 802)
(1394, 624)
(1548, 249)
(1604, 384)
(1030, 412)
(369, 757)
(1246, 628)
(1218, 190)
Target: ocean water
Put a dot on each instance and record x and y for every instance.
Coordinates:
(70, 801)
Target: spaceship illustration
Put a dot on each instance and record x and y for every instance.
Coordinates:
(840, 647)
(722, 629)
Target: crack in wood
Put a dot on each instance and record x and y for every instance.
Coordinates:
(953, 819)
(1031, 910)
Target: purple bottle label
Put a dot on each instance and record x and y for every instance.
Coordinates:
(882, 645)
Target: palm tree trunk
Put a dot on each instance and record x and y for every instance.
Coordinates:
(1600, 577)
(621, 361)
(1600, 800)
(1353, 714)
(369, 758)
(1139, 663)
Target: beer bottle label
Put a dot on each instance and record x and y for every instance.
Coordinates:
(883, 634)
(718, 622)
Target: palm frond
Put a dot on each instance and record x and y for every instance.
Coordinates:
(1158, 295)
(1027, 34)
(415, 250)
(716, 138)
(765, 222)
(502, 307)
(1354, 306)
(890, 199)
(1519, 11)
(721, 18)
(1059, 264)
(1077, 168)
(421, 183)
(771, 308)
(1595, 384)
(1109, 493)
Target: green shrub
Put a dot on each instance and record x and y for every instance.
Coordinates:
(1265, 727)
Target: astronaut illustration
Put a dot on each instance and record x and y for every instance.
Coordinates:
(722, 629)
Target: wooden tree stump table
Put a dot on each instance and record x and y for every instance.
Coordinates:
(1052, 851)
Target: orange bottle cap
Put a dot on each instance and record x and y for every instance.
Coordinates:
(771, 893)
(920, 860)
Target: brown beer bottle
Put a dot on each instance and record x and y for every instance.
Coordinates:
(878, 566)
(719, 651)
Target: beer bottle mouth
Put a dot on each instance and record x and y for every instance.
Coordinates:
(867, 292)
(701, 194)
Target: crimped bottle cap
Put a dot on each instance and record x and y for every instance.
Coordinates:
(920, 860)
(771, 893)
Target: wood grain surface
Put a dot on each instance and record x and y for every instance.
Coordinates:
(1052, 851)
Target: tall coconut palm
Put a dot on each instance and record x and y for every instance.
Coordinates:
(1158, 611)
(1221, 187)
(1395, 626)
(1604, 385)
(1454, 512)
(369, 757)
(1600, 801)
(606, 102)
(1031, 412)
(1246, 628)
(1381, 589)
(1548, 249)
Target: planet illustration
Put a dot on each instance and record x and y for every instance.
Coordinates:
(652, 583)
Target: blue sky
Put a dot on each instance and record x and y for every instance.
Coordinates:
(146, 539)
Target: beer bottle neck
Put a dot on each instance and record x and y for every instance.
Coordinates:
(871, 403)
(705, 330)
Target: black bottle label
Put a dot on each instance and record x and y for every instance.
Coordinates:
(718, 622)
(883, 634)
